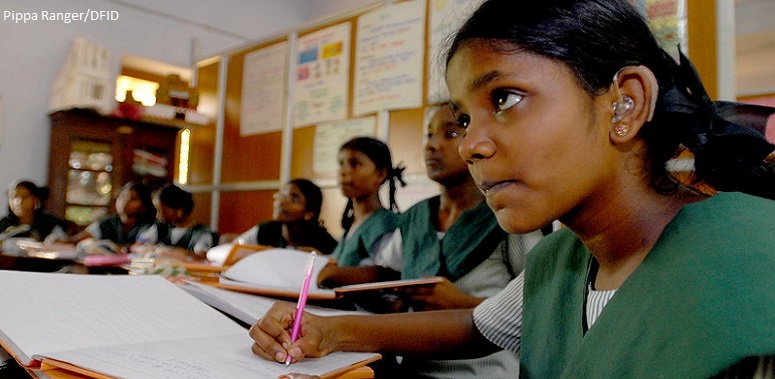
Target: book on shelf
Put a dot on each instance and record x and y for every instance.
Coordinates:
(134, 326)
(280, 273)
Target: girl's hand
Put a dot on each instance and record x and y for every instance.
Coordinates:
(443, 295)
(272, 335)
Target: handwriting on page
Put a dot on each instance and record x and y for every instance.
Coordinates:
(213, 357)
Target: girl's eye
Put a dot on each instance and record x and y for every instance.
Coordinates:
(463, 120)
(505, 100)
(452, 134)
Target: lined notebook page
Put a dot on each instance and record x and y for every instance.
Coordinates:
(45, 312)
(214, 357)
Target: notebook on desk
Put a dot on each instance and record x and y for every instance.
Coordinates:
(280, 273)
(133, 326)
(248, 308)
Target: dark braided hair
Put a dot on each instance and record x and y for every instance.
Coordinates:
(379, 153)
(176, 198)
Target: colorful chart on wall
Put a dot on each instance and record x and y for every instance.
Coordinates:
(330, 136)
(321, 77)
(389, 58)
(667, 19)
(446, 17)
(264, 81)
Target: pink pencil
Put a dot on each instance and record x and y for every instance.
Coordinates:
(296, 329)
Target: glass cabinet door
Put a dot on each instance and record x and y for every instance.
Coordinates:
(89, 181)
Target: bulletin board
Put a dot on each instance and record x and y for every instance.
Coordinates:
(339, 71)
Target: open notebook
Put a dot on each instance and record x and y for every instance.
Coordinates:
(280, 273)
(248, 308)
(133, 326)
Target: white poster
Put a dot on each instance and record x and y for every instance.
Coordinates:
(322, 76)
(330, 136)
(446, 17)
(263, 89)
(389, 58)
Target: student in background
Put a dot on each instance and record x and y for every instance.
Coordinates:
(364, 166)
(572, 111)
(454, 235)
(174, 234)
(296, 220)
(26, 217)
(134, 214)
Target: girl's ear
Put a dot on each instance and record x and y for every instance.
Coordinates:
(633, 99)
(383, 174)
(309, 216)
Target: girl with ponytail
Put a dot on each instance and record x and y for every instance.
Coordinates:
(364, 166)
(572, 112)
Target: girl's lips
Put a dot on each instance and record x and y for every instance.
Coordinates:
(490, 187)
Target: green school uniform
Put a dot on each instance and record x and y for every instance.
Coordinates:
(470, 240)
(111, 228)
(701, 300)
(355, 248)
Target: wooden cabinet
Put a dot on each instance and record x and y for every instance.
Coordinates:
(92, 156)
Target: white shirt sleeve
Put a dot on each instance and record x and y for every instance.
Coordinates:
(499, 318)
(250, 237)
(149, 235)
(204, 243)
(391, 254)
(94, 230)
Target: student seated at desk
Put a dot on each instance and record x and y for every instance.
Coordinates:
(364, 166)
(26, 217)
(174, 235)
(296, 220)
(454, 235)
(572, 111)
(134, 214)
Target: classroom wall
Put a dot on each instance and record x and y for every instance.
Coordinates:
(252, 166)
(177, 32)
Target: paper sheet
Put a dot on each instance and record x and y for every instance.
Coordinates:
(278, 271)
(57, 312)
(215, 357)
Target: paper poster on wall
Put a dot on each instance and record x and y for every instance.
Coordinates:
(389, 58)
(263, 89)
(321, 80)
(668, 20)
(446, 17)
(330, 136)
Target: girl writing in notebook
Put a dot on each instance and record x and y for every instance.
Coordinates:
(175, 235)
(364, 166)
(134, 214)
(572, 111)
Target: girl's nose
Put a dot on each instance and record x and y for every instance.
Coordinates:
(476, 144)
